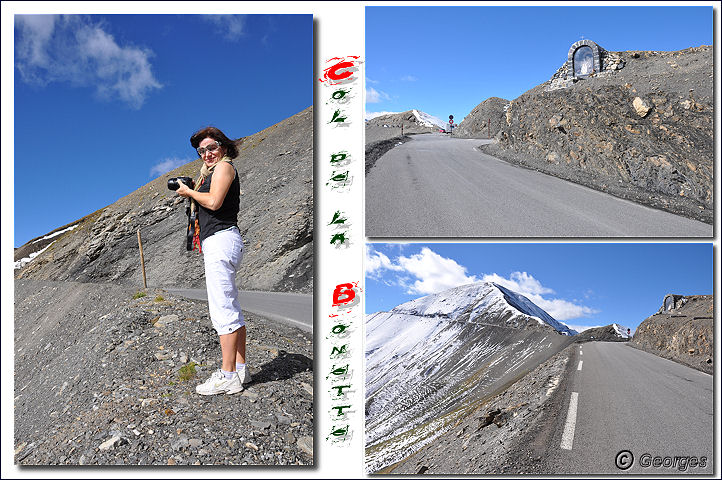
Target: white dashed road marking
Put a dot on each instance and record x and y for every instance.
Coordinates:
(580, 365)
(568, 435)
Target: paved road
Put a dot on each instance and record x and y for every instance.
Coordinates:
(631, 400)
(292, 308)
(436, 186)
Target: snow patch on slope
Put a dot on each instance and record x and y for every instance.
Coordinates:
(428, 120)
(621, 331)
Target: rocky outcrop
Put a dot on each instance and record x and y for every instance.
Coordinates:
(642, 132)
(683, 333)
(276, 221)
(485, 120)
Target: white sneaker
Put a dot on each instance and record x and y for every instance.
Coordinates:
(244, 375)
(217, 383)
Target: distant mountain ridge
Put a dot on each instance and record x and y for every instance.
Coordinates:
(609, 333)
(409, 118)
(478, 299)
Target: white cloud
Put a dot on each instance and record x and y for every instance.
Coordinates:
(71, 49)
(231, 27)
(373, 82)
(375, 96)
(562, 309)
(377, 262)
(408, 78)
(530, 287)
(434, 273)
(428, 272)
(520, 282)
(167, 165)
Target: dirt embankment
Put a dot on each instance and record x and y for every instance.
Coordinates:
(488, 440)
(388, 131)
(104, 376)
(376, 150)
(684, 333)
(642, 131)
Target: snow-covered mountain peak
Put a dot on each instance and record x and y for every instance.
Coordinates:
(621, 331)
(524, 305)
(427, 120)
(477, 299)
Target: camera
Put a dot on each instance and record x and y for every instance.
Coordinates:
(174, 185)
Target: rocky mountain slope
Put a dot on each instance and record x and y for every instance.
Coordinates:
(642, 129)
(276, 221)
(490, 438)
(413, 121)
(390, 125)
(106, 376)
(485, 120)
(684, 333)
(430, 361)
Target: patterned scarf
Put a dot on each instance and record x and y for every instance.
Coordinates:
(205, 173)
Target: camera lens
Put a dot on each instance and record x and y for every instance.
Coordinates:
(173, 182)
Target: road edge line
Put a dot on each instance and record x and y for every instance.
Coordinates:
(570, 426)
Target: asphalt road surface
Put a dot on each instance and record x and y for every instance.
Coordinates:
(633, 401)
(437, 186)
(292, 308)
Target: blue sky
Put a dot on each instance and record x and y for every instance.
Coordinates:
(590, 284)
(106, 103)
(446, 60)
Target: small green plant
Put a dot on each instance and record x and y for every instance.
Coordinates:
(139, 294)
(187, 371)
(159, 298)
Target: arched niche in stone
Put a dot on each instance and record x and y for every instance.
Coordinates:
(672, 301)
(583, 59)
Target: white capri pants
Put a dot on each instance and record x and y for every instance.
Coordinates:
(222, 254)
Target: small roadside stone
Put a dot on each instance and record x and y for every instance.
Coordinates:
(306, 445)
(112, 442)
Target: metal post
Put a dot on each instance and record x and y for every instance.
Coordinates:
(142, 260)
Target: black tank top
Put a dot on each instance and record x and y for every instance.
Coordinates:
(212, 221)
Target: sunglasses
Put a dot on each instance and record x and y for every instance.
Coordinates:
(210, 148)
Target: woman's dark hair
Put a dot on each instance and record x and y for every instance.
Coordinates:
(214, 133)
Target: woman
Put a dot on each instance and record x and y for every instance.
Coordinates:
(217, 194)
